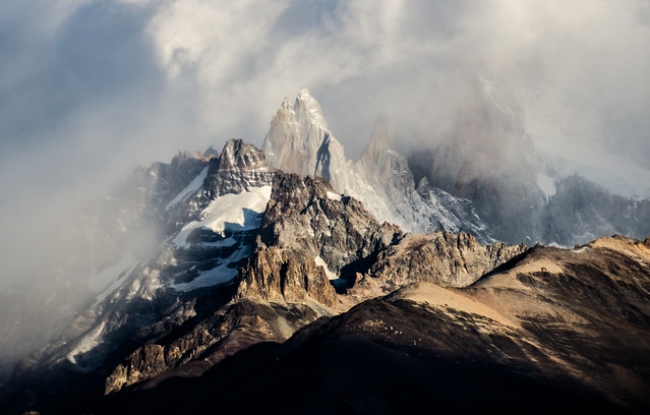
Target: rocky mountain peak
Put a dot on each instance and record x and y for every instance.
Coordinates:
(286, 105)
(239, 155)
(299, 142)
(381, 160)
(381, 141)
(308, 110)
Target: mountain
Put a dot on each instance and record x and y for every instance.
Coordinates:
(490, 159)
(554, 329)
(242, 254)
(223, 279)
(299, 142)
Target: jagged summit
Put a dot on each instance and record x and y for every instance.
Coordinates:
(239, 155)
(308, 109)
(299, 142)
(381, 143)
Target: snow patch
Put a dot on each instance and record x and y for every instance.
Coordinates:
(221, 274)
(333, 196)
(108, 277)
(547, 185)
(321, 263)
(88, 342)
(232, 211)
(194, 185)
(557, 245)
(115, 284)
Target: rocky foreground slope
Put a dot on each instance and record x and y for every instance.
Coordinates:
(551, 330)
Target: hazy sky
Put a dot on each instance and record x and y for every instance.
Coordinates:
(89, 88)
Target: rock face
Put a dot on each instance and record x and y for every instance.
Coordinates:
(446, 259)
(581, 211)
(299, 142)
(553, 330)
(189, 354)
(309, 227)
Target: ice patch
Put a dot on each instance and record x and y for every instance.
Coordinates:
(232, 211)
(194, 185)
(321, 263)
(221, 274)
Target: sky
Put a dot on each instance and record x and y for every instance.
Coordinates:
(89, 89)
(103, 85)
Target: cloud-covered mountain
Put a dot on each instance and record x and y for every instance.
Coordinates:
(299, 142)
(522, 195)
(222, 271)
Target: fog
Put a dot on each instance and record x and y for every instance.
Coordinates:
(90, 89)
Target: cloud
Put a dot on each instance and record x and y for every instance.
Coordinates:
(407, 60)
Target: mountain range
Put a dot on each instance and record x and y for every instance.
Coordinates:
(292, 278)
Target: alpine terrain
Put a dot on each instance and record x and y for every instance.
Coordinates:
(293, 279)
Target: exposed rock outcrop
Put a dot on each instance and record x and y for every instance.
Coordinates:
(189, 353)
(306, 222)
(445, 259)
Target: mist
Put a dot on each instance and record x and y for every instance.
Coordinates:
(91, 89)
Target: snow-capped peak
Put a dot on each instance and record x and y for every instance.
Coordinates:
(380, 179)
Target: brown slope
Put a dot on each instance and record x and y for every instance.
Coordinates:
(557, 330)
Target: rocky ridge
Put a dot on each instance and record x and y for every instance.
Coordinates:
(313, 243)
